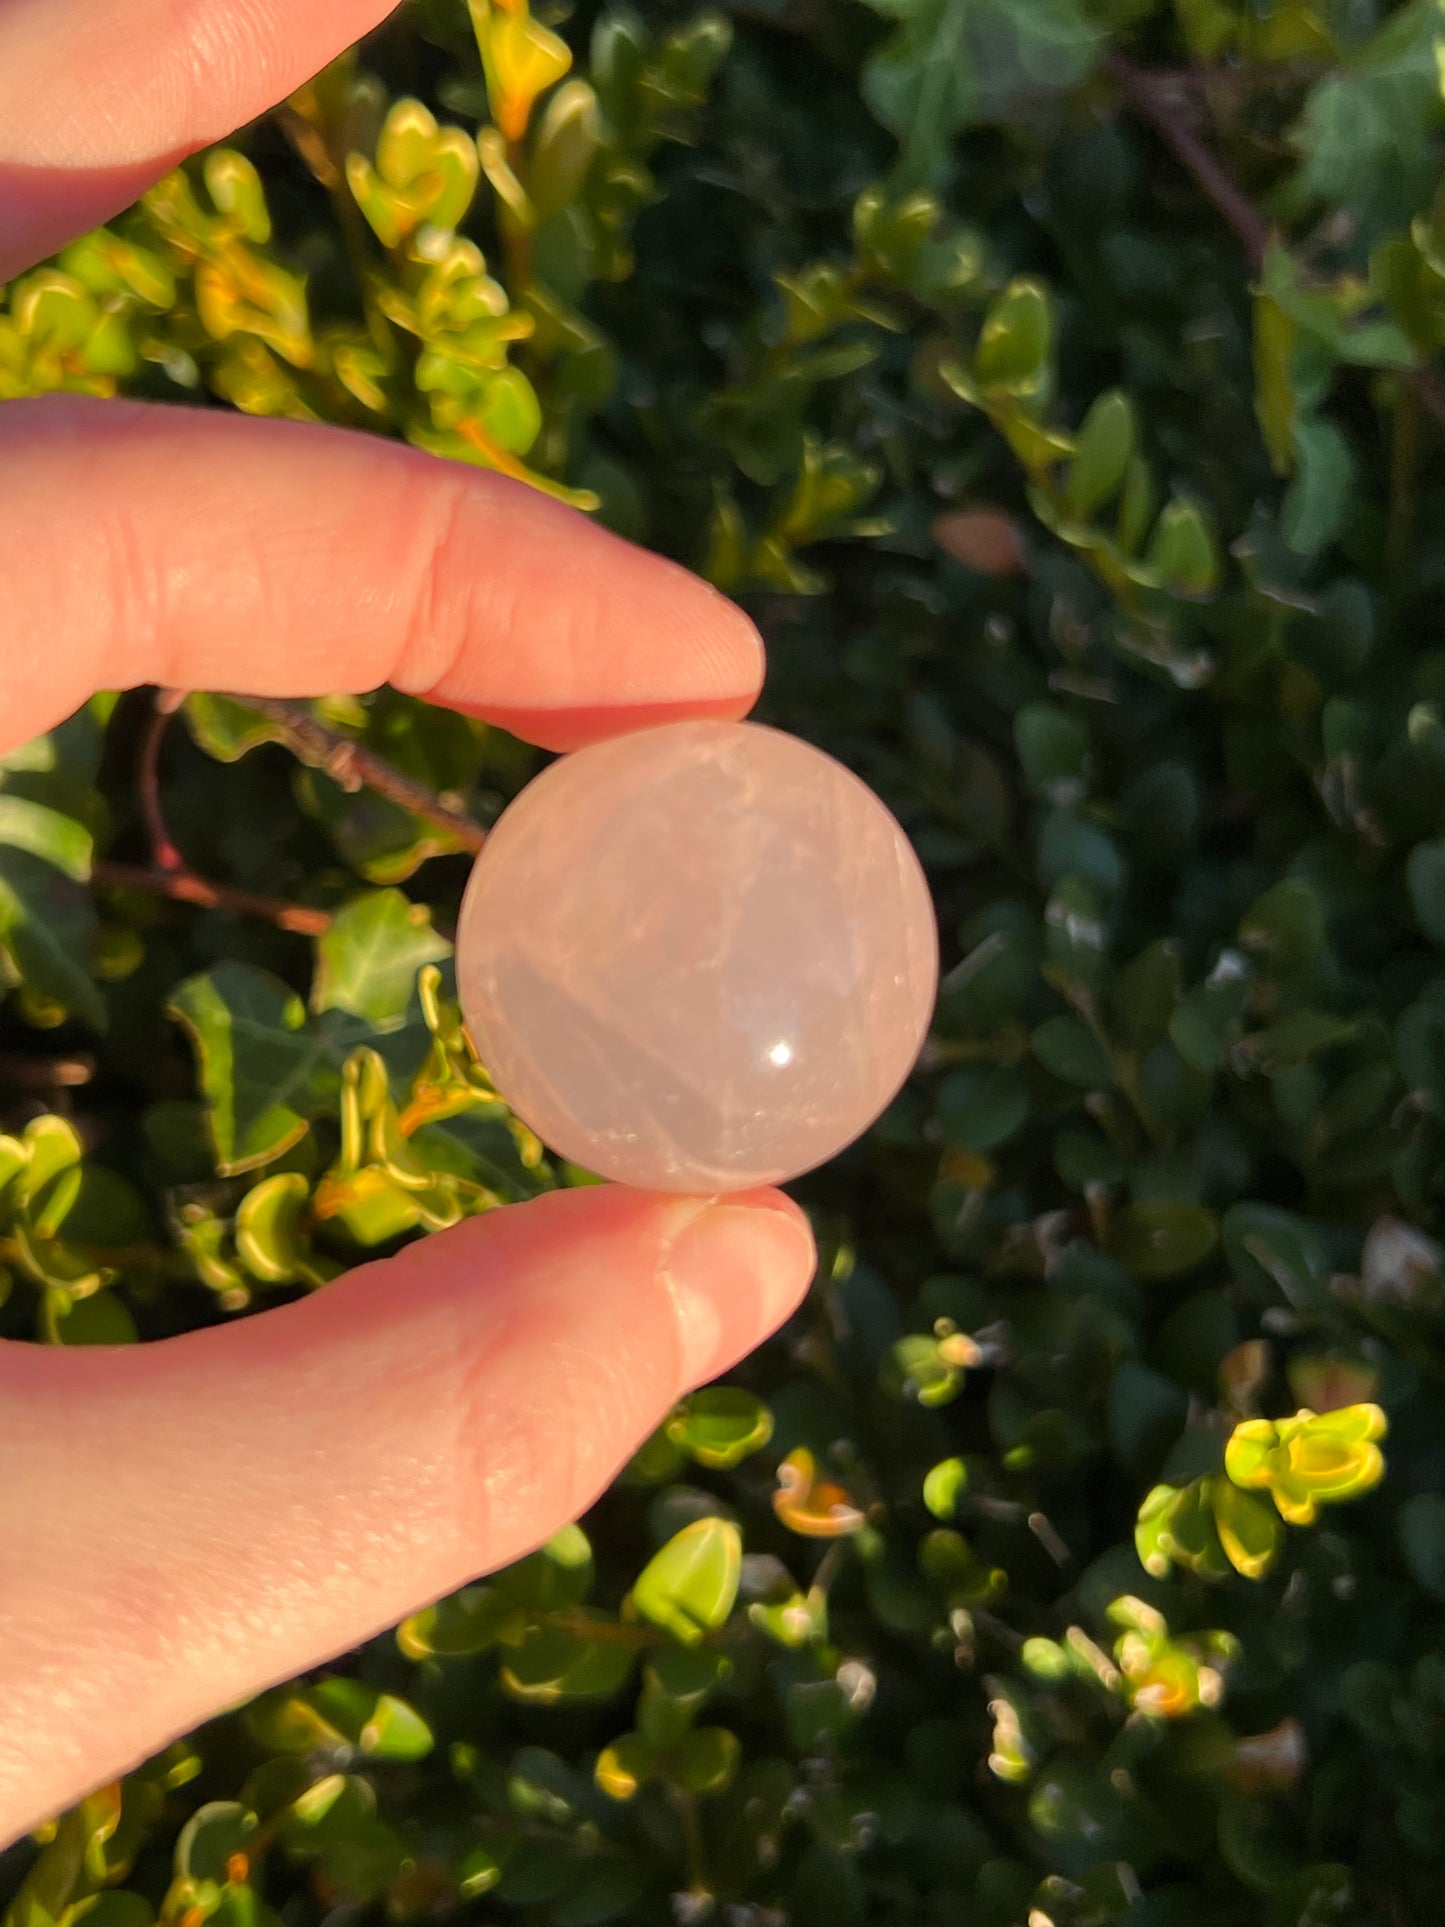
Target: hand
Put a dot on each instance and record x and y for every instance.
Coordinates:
(184, 1523)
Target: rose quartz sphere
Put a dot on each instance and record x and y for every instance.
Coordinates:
(698, 958)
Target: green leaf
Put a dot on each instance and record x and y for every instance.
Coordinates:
(48, 924)
(258, 1064)
(1102, 453)
(55, 838)
(269, 1239)
(226, 729)
(952, 64)
(720, 1426)
(943, 1486)
(1249, 1530)
(367, 962)
(210, 1838)
(379, 1724)
(551, 1665)
(1317, 500)
(1422, 1539)
(1146, 1414)
(707, 1759)
(1294, 1039)
(1066, 1046)
(464, 1623)
(983, 1108)
(1162, 1238)
(101, 1319)
(1053, 747)
(1365, 133)
(625, 1766)
(264, 1070)
(1275, 332)
(556, 1576)
(113, 1908)
(1425, 874)
(509, 411)
(1182, 556)
(688, 1588)
(1015, 349)
(568, 138)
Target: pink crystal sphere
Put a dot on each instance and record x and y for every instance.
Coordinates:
(698, 958)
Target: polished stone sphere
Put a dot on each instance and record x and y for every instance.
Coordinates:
(698, 958)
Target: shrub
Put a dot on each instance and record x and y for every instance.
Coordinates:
(1055, 381)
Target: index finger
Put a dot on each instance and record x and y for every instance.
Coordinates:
(206, 550)
(97, 100)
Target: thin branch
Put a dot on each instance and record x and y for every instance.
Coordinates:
(354, 768)
(184, 886)
(1157, 98)
(1430, 395)
(45, 1073)
(164, 854)
(1157, 101)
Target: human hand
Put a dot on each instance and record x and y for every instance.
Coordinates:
(184, 1523)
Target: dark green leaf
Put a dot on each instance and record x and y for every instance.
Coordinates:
(1161, 1238)
(367, 962)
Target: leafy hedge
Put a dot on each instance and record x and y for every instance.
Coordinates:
(1055, 381)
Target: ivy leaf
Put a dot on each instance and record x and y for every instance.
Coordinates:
(367, 962)
(264, 1070)
(226, 729)
(48, 924)
(1365, 134)
(48, 834)
(953, 64)
(258, 1063)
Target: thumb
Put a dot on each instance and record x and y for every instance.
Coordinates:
(199, 1518)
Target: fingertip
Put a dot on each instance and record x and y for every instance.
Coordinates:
(736, 1272)
(616, 638)
(574, 728)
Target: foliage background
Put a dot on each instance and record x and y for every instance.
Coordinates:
(1053, 377)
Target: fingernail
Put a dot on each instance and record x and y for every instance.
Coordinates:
(736, 1271)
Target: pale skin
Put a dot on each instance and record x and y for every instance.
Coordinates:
(184, 1523)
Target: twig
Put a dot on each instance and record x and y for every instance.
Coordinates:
(1154, 99)
(1154, 96)
(45, 1073)
(1430, 395)
(164, 854)
(353, 767)
(184, 886)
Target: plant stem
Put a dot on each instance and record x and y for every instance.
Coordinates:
(686, 1808)
(184, 886)
(1428, 392)
(164, 854)
(45, 1073)
(354, 768)
(1404, 461)
(1157, 101)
